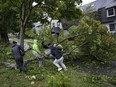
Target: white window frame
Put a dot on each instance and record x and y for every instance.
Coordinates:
(108, 12)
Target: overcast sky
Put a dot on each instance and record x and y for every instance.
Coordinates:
(86, 1)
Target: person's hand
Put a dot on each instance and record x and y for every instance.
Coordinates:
(30, 48)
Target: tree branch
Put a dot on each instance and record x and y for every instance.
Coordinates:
(14, 4)
(74, 49)
(13, 66)
(28, 14)
(8, 65)
(78, 35)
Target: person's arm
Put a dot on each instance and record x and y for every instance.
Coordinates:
(43, 45)
(47, 52)
(21, 50)
(12, 53)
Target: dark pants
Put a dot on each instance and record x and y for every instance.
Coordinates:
(19, 62)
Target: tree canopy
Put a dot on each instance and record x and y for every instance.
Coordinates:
(25, 13)
(90, 40)
(8, 19)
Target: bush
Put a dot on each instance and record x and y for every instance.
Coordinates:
(101, 79)
(5, 52)
(60, 80)
(100, 44)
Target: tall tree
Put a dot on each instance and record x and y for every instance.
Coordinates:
(53, 8)
(7, 20)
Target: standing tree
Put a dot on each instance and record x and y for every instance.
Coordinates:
(54, 9)
(90, 11)
(7, 20)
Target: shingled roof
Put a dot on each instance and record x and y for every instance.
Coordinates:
(100, 4)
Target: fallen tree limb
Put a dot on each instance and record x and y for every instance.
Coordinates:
(8, 65)
(13, 66)
(74, 49)
(29, 60)
(44, 57)
(75, 36)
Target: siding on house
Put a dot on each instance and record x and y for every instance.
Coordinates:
(103, 16)
(102, 6)
(113, 18)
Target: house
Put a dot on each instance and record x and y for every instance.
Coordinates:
(56, 23)
(38, 26)
(107, 12)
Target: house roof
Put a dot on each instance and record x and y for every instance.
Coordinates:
(86, 5)
(100, 4)
(110, 3)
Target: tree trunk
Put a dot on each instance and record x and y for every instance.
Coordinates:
(24, 19)
(4, 37)
(22, 29)
(22, 32)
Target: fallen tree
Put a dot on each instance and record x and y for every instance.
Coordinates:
(45, 57)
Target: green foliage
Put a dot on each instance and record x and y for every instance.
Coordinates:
(36, 74)
(98, 79)
(42, 76)
(45, 34)
(90, 12)
(57, 8)
(8, 17)
(112, 80)
(91, 78)
(31, 34)
(5, 52)
(100, 43)
(60, 80)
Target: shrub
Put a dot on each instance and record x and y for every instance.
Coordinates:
(60, 80)
(100, 44)
(5, 52)
(101, 79)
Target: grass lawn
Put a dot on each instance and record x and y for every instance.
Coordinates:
(48, 76)
(39, 77)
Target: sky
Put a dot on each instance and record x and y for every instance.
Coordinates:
(86, 1)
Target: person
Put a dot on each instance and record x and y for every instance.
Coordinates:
(56, 52)
(18, 53)
(36, 53)
(46, 48)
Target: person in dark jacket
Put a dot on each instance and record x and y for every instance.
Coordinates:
(46, 48)
(18, 53)
(56, 52)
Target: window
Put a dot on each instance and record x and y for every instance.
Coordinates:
(112, 27)
(58, 24)
(53, 24)
(110, 12)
